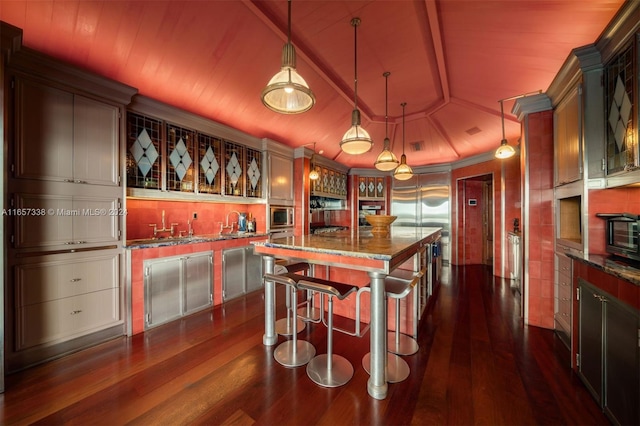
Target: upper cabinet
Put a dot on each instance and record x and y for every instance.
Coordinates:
(331, 184)
(371, 187)
(280, 178)
(193, 159)
(63, 136)
(621, 107)
(568, 140)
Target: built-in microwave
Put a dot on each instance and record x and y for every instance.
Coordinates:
(281, 217)
(622, 234)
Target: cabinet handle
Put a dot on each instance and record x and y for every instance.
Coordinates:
(76, 312)
(75, 280)
(79, 181)
(600, 298)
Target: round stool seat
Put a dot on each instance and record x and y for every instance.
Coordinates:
(397, 368)
(341, 370)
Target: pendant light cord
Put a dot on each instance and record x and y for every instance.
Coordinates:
(386, 103)
(289, 23)
(404, 104)
(502, 115)
(355, 22)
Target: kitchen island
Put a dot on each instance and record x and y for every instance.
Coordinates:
(378, 256)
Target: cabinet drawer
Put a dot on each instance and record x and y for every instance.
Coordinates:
(564, 264)
(43, 282)
(62, 319)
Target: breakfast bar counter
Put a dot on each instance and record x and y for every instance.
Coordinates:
(376, 255)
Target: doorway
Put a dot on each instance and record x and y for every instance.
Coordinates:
(476, 219)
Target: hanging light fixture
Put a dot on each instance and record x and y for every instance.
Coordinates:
(386, 160)
(504, 150)
(313, 174)
(287, 92)
(356, 140)
(403, 171)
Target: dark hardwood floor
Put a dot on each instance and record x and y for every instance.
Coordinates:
(477, 364)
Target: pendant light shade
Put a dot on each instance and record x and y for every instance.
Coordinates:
(504, 150)
(386, 160)
(356, 140)
(403, 171)
(287, 92)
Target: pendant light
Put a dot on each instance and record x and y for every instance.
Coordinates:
(287, 92)
(504, 150)
(403, 171)
(356, 140)
(313, 174)
(386, 160)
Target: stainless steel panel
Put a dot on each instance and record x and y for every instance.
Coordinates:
(424, 200)
(254, 273)
(233, 273)
(198, 286)
(162, 283)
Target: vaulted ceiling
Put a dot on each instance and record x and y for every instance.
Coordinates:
(450, 61)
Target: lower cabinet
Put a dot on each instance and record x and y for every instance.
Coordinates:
(65, 298)
(241, 272)
(60, 303)
(176, 286)
(609, 353)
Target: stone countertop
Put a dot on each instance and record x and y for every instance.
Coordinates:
(610, 265)
(174, 241)
(357, 243)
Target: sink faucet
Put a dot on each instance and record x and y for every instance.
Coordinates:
(227, 226)
(164, 228)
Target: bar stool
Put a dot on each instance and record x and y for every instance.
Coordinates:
(397, 287)
(284, 325)
(294, 352)
(328, 370)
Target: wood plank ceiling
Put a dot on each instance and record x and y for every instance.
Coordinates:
(450, 60)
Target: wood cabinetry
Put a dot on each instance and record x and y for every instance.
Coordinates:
(58, 299)
(64, 136)
(371, 187)
(568, 138)
(563, 291)
(66, 220)
(280, 178)
(177, 286)
(331, 184)
(65, 196)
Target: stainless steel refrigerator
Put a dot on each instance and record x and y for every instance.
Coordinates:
(424, 200)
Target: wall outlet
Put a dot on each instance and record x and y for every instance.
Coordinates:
(195, 215)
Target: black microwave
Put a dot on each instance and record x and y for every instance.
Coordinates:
(622, 234)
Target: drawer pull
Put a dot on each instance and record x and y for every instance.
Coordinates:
(75, 280)
(76, 312)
